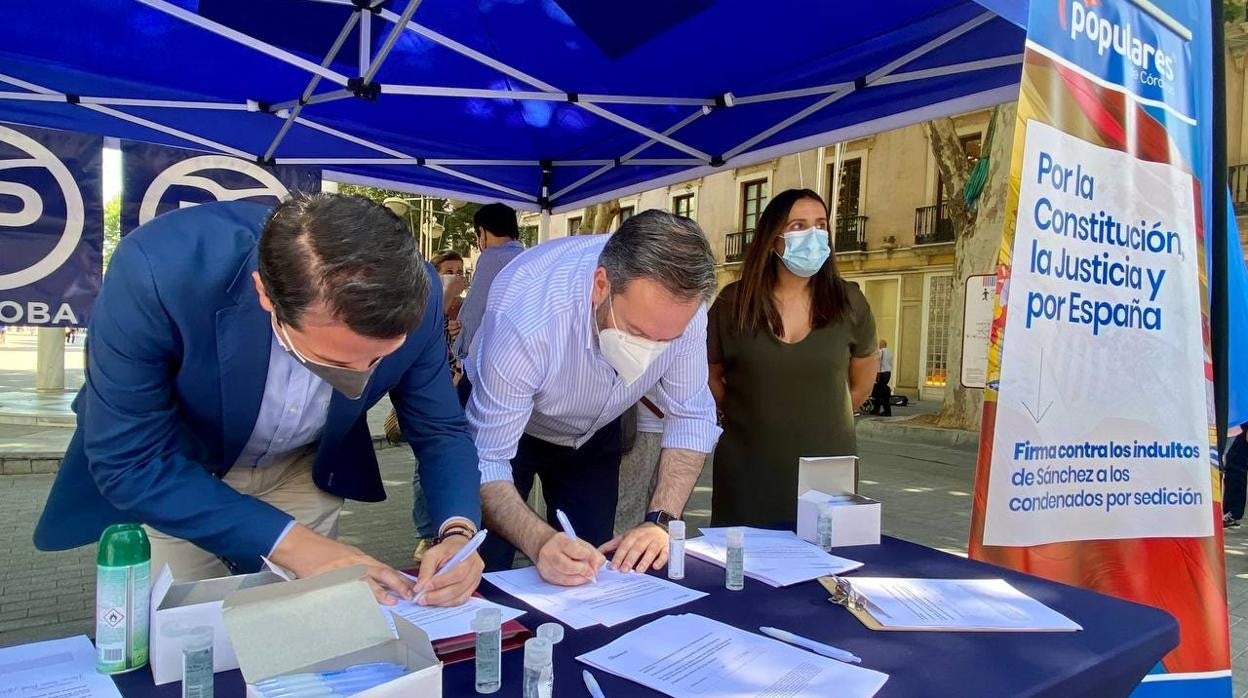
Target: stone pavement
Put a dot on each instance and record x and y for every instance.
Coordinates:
(926, 492)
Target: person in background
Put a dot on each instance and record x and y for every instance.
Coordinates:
(450, 267)
(235, 351)
(498, 238)
(792, 350)
(1235, 480)
(577, 330)
(883, 395)
(640, 464)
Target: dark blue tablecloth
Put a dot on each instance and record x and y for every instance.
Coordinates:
(1120, 642)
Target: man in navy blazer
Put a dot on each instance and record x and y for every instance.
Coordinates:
(235, 351)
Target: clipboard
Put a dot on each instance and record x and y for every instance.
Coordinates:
(843, 594)
(859, 606)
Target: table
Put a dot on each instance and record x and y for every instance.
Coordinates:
(1120, 642)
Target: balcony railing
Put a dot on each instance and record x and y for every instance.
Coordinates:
(932, 225)
(735, 245)
(851, 234)
(1237, 178)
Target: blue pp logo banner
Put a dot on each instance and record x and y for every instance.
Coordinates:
(158, 179)
(51, 226)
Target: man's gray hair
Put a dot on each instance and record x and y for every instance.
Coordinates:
(668, 249)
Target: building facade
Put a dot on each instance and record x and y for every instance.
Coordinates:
(892, 236)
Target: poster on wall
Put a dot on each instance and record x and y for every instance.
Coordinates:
(51, 224)
(977, 306)
(1095, 466)
(157, 179)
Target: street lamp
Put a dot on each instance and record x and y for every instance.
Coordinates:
(428, 230)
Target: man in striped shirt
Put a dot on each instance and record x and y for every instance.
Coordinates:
(575, 332)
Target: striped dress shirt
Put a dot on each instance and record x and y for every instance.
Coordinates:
(536, 368)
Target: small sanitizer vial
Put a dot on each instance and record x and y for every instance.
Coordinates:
(825, 527)
(676, 549)
(734, 571)
(197, 663)
(538, 667)
(552, 632)
(487, 624)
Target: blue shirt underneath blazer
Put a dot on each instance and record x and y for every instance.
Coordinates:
(177, 359)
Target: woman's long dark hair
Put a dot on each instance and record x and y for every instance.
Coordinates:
(754, 308)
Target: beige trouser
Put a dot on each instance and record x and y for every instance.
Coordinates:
(286, 484)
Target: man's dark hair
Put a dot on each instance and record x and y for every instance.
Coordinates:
(350, 253)
(498, 220)
(665, 248)
(445, 256)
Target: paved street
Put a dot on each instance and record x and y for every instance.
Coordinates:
(926, 492)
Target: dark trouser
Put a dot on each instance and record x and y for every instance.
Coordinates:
(582, 482)
(1235, 478)
(882, 394)
(464, 390)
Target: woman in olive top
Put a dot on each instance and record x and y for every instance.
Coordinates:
(792, 349)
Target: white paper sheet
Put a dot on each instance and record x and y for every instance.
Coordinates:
(957, 604)
(616, 598)
(53, 669)
(690, 656)
(440, 623)
(778, 558)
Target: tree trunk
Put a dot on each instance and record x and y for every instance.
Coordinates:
(598, 217)
(976, 244)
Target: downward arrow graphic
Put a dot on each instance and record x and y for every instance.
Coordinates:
(1039, 388)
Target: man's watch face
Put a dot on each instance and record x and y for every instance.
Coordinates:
(661, 518)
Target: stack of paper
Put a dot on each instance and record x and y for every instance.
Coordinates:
(440, 622)
(692, 656)
(778, 558)
(617, 597)
(884, 603)
(53, 669)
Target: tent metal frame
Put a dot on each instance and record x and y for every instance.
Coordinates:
(292, 112)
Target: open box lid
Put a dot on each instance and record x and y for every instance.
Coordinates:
(836, 500)
(279, 628)
(168, 593)
(831, 474)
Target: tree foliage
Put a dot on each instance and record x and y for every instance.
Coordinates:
(112, 227)
(455, 217)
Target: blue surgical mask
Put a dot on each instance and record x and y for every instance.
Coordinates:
(806, 251)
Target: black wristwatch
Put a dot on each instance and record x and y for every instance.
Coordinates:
(660, 518)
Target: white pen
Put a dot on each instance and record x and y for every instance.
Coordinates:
(829, 651)
(567, 525)
(464, 552)
(591, 684)
(570, 533)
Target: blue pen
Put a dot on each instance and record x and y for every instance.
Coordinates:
(336, 674)
(342, 682)
(363, 680)
(829, 651)
(591, 684)
(571, 533)
(345, 688)
(468, 549)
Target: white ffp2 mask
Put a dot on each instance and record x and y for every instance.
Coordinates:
(630, 356)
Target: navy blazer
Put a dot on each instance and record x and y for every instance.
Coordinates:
(177, 361)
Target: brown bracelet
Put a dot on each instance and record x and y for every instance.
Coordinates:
(457, 530)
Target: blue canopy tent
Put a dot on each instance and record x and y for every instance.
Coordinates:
(554, 104)
(545, 104)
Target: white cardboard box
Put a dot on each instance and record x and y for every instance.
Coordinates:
(326, 623)
(827, 474)
(180, 606)
(855, 518)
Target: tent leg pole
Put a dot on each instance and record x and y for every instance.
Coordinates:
(1219, 311)
(543, 229)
